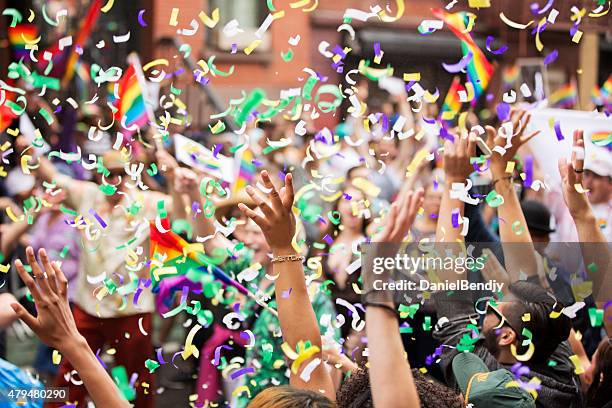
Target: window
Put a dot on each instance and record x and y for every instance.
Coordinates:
(249, 14)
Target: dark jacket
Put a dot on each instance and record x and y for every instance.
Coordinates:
(560, 386)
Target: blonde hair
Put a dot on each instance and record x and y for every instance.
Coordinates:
(289, 397)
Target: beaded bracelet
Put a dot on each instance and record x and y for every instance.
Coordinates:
(292, 257)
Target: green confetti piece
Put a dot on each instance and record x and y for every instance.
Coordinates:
(181, 225)
(529, 336)
(406, 329)
(110, 285)
(43, 112)
(427, 323)
(234, 149)
(273, 9)
(108, 189)
(288, 56)
(270, 149)
(161, 210)
(308, 87)
(64, 252)
(152, 365)
(249, 105)
(119, 374)
(592, 267)
(494, 199)
(596, 316)
(552, 363)
(153, 170)
(408, 310)
(174, 90)
(2, 257)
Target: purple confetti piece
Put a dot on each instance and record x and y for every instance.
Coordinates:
(234, 48)
(528, 166)
(385, 123)
(558, 131)
(551, 57)
(347, 196)
(499, 51)
(339, 51)
(409, 85)
(503, 111)
(137, 296)
(329, 240)
(377, 50)
(59, 109)
(257, 163)
(490, 97)
(133, 379)
(99, 359)
(445, 135)
(160, 356)
(455, 218)
(184, 294)
(286, 293)
(216, 149)
(459, 66)
(97, 217)
(218, 353)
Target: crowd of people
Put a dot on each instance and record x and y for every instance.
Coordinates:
(306, 326)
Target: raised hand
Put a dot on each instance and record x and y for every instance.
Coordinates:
(400, 217)
(54, 324)
(457, 166)
(502, 154)
(166, 162)
(185, 180)
(273, 214)
(571, 176)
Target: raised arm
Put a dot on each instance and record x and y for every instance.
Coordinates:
(518, 258)
(55, 326)
(457, 169)
(593, 244)
(297, 318)
(390, 374)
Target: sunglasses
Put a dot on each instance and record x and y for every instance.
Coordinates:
(503, 320)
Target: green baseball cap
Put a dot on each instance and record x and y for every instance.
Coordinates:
(483, 388)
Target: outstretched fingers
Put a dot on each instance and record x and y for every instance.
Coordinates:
(46, 262)
(254, 215)
(39, 275)
(287, 193)
(28, 280)
(275, 198)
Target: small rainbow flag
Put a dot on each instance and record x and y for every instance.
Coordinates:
(452, 103)
(602, 139)
(131, 108)
(81, 37)
(246, 170)
(564, 97)
(187, 259)
(479, 69)
(19, 36)
(510, 75)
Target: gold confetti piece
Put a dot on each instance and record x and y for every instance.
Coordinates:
(212, 21)
(479, 3)
(248, 50)
(418, 158)
(56, 357)
(174, 17)
(400, 12)
(578, 335)
(111, 351)
(538, 42)
(577, 36)
(526, 317)
(510, 167)
(289, 352)
(523, 357)
(578, 369)
(106, 8)
(366, 186)
(5, 268)
(414, 76)
(580, 189)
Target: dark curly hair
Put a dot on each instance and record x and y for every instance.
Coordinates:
(355, 392)
(598, 394)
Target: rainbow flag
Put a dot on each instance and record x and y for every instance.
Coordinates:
(246, 171)
(510, 75)
(479, 69)
(172, 256)
(564, 97)
(81, 37)
(452, 103)
(131, 108)
(602, 139)
(18, 37)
